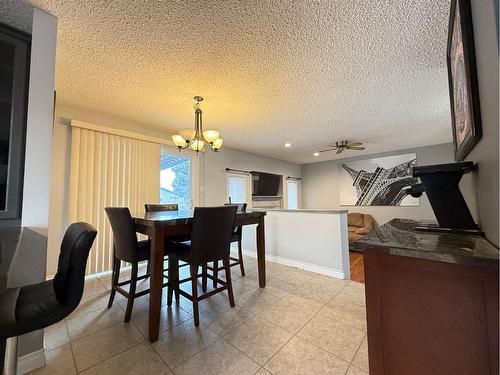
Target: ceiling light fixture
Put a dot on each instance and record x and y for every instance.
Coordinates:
(197, 138)
(316, 153)
(288, 144)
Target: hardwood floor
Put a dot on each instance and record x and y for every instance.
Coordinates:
(357, 267)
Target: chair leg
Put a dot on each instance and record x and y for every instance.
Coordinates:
(240, 256)
(215, 272)
(227, 268)
(204, 278)
(131, 292)
(176, 279)
(114, 280)
(194, 287)
(171, 281)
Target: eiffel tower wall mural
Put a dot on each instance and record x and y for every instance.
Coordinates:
(378, 182)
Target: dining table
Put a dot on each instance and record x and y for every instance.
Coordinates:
(162, 224)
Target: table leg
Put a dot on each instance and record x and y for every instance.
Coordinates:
(156, 282)
(261, 252)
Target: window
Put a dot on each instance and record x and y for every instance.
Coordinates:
(292, 194)
(175, 180)
(237, 188)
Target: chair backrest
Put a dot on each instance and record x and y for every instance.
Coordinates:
(124, 235)
(211, 233)
(70, 277)
(161, 207)
(241, 207)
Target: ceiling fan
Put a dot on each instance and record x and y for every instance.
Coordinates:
(340, 146)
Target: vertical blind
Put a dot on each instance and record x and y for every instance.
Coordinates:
(110, 170)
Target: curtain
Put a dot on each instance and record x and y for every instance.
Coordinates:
(110, 170)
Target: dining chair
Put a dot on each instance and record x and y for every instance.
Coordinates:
(153, 207)
(128, 249)
(211, 233)
(32, 307)
(236, 237)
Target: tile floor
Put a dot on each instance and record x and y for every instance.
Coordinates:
(301, 323)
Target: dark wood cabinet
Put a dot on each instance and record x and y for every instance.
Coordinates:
(429, 317)
(431, 301)
(14, 78)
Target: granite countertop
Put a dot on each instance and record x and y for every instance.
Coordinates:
(302, 211)
(399, 237)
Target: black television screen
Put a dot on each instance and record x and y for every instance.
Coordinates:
(265, 184)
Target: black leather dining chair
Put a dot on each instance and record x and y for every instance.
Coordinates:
(128, 249)
(236, 237)
(152, 207)
(211, 233)
(32, 307)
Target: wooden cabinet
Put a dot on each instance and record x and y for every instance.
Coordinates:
(430, 317)
(14, 73)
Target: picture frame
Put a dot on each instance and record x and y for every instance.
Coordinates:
(462, 79)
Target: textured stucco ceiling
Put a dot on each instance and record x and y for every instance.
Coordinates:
(307, 72)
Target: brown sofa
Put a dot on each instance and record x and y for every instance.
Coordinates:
(358, 226)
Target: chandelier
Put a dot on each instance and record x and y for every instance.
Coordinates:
(197, 138)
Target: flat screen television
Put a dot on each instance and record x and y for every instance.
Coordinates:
(265, 184)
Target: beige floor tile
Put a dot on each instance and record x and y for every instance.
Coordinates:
(93, 287)
(169, 317)
(349, 313)
(55, 335)
(182, 341)
(141, 304)
(139, 360)
(224, 322)
(258, 339)
(353, 370)
(288, 315)
(305, 301)
(263, 371)
(104, 344)
(325, 285)
(332, 335)
(240, 287)
(357, 285)
(291, 280)
(361, 357)
(59, 361)
(220, 358)
(300, 358)
(257, 300)
(94, 321)
(351, 295)
(89, 304)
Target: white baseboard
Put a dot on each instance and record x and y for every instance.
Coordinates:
(30, 361)
(301, 265)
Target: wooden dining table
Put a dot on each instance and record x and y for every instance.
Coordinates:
(160, 225)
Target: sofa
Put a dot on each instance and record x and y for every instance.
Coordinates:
(359, 225)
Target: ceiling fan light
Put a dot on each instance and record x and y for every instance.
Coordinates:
(188, 134)
(179, 141)
(316, 153)
(211, 135)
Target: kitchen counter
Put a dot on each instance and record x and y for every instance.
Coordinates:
(399, 237)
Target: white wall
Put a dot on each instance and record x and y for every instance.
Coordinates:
(320, 186)
(215, 180)
(485, 154)
(35, 211)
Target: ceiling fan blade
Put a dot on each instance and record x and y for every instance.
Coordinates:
(329, 149)
(355, 144)
(339, 151)
(355, 148)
